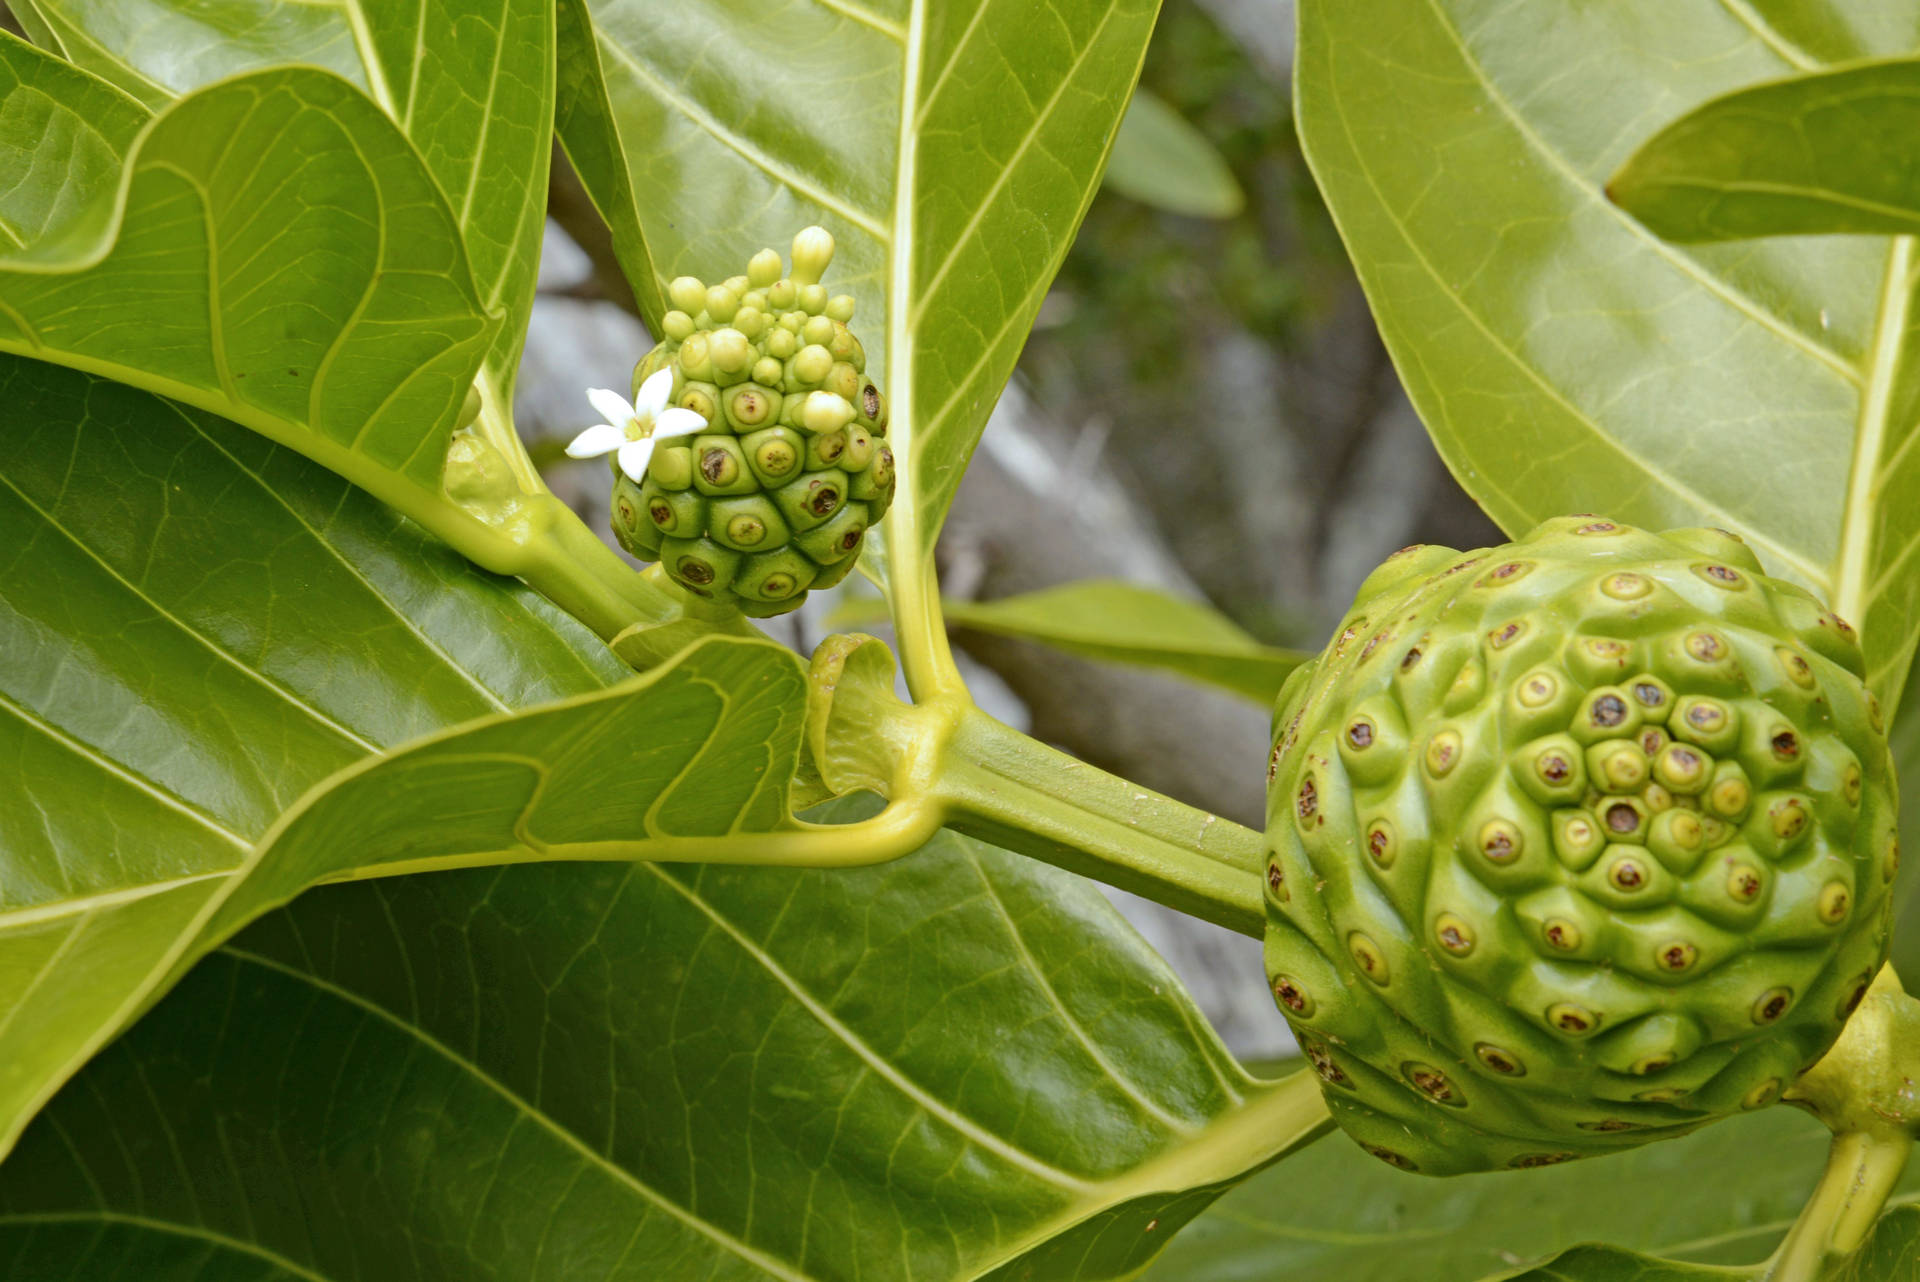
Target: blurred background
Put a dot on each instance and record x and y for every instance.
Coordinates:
(1204, 408)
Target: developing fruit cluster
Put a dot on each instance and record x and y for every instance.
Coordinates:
(1574, 843)
(776, 496)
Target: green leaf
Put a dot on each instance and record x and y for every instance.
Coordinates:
(67, 135)
(275, 253)
(1161, 160)
(1567, 359)
(469, 81)
(1832, 151)
(1722, 1196)
(647, 1071)
(1891, 1254)
(951, 150)
(229, 676)
(1122, 622)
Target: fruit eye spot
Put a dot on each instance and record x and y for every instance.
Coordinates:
(1705, 646)
(1627, 874)
(1433, 1083)
(695, 571)
(1597, 527)
(1553, 767)
(1454, 934)
(1413, 657)
(1649, 695)
(1500, 638)
(1677, 956)
(1277, 882)
(1569, 1018)
(1609, 710)
(1622, 818)
(1772, 1005)
(1308, 800)
(1563, 935)
(1287, 991)
(850, 540)
(1721, 574)
(1625, 587)
(1706, 716)
(1786, 745)
(715, 466)
(1538, 690)
(1360, 734)
(1380, 844)
(1499, 1060)
(1505, 573)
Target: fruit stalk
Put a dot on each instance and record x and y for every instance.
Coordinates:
(1004, 787)
(1864, 1089)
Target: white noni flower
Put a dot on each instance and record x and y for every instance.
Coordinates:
(632, 430)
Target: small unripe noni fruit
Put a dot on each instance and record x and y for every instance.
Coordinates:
(776, 495)
(1596, 827)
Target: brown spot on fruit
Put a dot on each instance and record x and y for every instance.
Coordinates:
(1500, 1061)
(1306, 802)
(1771, 1005)
(1288, 992)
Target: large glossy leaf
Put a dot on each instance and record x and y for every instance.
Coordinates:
(1831, 151)
(951, 148)
(1721, 1197)
(214, 653)
(273, 251)
(469, 81)
(1564, 357)
(648, 1072)
(1890, 1254)
(1122, 622)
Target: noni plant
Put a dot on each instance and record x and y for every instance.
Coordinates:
(399, 882)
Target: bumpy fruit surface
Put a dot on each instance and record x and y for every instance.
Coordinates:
(776, 497)
(1574, 843)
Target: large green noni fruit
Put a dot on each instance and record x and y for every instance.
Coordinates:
(775, 496)
(1574, 843)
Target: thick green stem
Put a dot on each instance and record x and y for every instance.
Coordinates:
(1862, 1169)
(1863, 1089)
(571, 567)
(1006, 788)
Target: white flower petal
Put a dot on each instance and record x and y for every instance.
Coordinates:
(611, 404)
(677, 422)
(634, 457)
(601, 438)
(652, 396)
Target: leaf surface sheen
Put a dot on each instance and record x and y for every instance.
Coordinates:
(215, 656)
(1704, 1205)
(470, 82)
(519, 1074)
(950, 148)
(1564, 357)
(274, 250)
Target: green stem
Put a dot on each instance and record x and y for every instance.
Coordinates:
(1004, 787)
(1862, 1169)
(569, 565)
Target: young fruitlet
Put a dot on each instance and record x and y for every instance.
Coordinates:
(754, 459)
(1575, 843)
